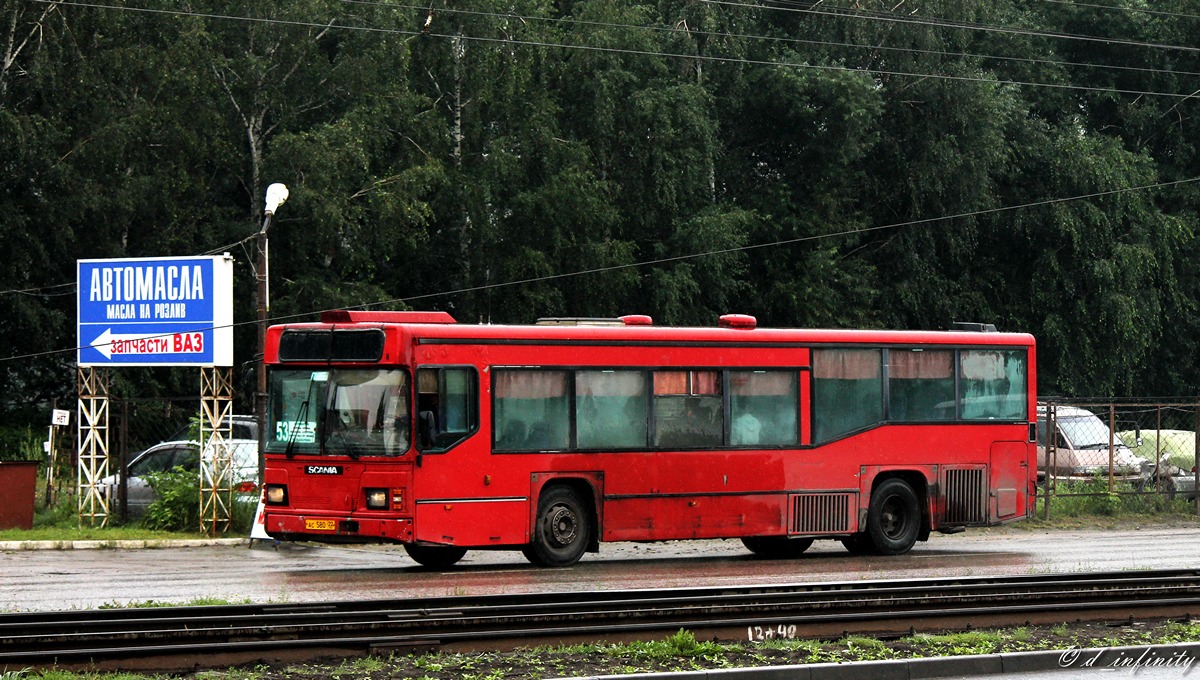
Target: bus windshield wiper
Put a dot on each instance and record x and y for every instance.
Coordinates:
(301, 414)
(351, 449)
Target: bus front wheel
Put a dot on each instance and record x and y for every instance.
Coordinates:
(894, 518)
(562, 531)
(435, 556)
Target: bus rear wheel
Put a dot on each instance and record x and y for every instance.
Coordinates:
(776, 547)
(435, 556)
(894, 518)
(562, 531)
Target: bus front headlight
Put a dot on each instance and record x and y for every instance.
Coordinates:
(377, 499)
(276, 494)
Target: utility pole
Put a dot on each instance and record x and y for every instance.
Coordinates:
(276, 195)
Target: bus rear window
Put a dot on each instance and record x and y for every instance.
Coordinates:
(994, 384)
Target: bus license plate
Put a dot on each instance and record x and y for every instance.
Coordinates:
(320, 524)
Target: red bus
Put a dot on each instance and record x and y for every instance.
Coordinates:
(407, 427)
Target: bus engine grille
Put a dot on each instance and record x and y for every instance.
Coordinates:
(821, 513)
(966, 495)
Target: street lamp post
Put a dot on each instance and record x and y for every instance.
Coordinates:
(276, 195)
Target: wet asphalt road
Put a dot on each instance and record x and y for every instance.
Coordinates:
(33, 580)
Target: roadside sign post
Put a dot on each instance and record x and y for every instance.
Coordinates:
(58, 418)
(156, 312)
(160, 311)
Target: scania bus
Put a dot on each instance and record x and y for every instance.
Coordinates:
(409, 428)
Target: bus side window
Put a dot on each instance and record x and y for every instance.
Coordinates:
(763, 405)
(531, 409)
(687, 409)
(847, 391)
(447, 407)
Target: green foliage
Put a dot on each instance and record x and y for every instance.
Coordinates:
(596, 158)
(963, 644)
(241, 510)
(21, 443)
(680, 645)
(177, 507)
(1092, 498)
(194, 602)
(865, 648)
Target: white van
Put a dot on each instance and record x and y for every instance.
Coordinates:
(1081, 447)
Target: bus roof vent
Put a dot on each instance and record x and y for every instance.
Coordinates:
(972, 327)
(578, 321)
(637, 320)
(743, 322)
(363, 316)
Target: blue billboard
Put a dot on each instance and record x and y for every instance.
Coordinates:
(168, 311)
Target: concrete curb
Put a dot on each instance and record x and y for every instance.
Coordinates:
(1180, 656)
(131, 544)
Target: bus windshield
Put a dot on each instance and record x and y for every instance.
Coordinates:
(339, 412)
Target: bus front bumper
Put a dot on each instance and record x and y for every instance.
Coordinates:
(337, 529)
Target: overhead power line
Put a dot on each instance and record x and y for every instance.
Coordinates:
(635, 52)
(692, 256)
(1115, 8)
(852, 12)
(689, 31)
(41, 291)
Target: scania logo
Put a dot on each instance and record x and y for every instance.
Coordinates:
(323, 469)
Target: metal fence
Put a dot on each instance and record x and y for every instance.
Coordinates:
(140, 423)
(1120, 453)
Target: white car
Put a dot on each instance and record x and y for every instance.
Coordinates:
(1083, 447)
(185, 454)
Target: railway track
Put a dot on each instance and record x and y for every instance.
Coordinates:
(190, 638)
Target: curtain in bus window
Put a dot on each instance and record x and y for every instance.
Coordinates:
(687, 382)
(531, 410)
(920, 384)
(763, 407)
(671, 382)
(706, 382)
(994, 385)
(610, 409)
(847, 391)
(688, 412)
